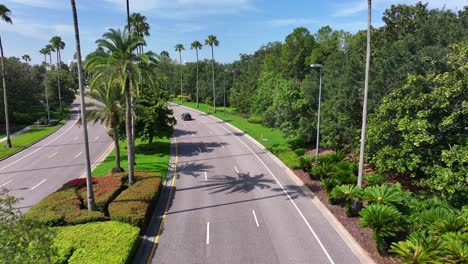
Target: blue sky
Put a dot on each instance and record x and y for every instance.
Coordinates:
(241, 26)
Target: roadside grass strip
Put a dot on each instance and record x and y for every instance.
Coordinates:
(271, 138)
(96, 243)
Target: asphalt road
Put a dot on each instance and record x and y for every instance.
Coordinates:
(44, 167)
(233, 203)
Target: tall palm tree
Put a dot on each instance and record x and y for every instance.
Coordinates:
(212, 41)
(50, 49)
(89, 183)
(110, 112)
(140, 27)
(58, 45)
(5, 16)
(121, 63)
(26, 58)
(366, 87)
(196, 45)
(45, 51)
(180, 48)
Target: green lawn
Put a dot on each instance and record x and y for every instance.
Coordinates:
(153, 158)
(29, 137)
(273, 139)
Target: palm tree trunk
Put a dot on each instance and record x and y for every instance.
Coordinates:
(128, 128)
(212, 71)
(180, 73)
(117, 147)
(58, 80)
(46, 91)
(366, 87)
(196, 51)
(5, 99)
(128, 16)
(89, 181)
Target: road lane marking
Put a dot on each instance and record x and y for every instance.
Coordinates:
(52, 155)
(75, 138)
(158, 234)
(237, 171)
(255, 217)
(38, 184)
(5, 183)
(199, 149)
(206, 176)
(211, 133)
(286, 193)
(192, 134)
(222, 145)
(77, 155)
(97, 137)
(18, 160)
(207, 233)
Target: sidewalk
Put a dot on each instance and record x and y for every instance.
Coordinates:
(18, 132)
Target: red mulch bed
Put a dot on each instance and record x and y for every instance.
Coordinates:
(362, 236)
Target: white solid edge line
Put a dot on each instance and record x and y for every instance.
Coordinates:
(287, 195)
(5, 183)
(207, 233)
(222, 145)
(38, 184)
(75, 139)
(237, 171)
(77, 155)
(255, 217)
(18, 160)
(206, 176)
(52, 155)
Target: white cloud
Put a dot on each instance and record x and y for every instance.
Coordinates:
(37, 30)
(292, 22)
(186, 8)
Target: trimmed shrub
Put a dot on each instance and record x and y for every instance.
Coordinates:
(133, 205)
(255, 120)
(104, 242)
(105, 190)
(22, 118)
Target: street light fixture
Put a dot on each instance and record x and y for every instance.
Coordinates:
(318, 111)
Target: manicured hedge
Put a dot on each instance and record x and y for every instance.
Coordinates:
(133, 205)
(103, 242)
(67, 206)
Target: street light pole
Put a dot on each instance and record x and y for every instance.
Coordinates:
(318, 111)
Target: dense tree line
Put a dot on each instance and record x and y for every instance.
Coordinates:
(412, 131)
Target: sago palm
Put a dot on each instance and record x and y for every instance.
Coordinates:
(5, 16)
(455, 247)
(122, 63)
(212, 41)
(58, 45)
(196, 45)
(418, 248)
(110, 112)
(383, 194)
(179, 48)
(346, 193)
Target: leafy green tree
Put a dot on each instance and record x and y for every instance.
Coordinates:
(297, 47)
(5, 16)
(23, 241)
(122, 63)
(196, 45)
(212, 41)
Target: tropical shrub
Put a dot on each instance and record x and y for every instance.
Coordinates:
(346, 193)
(383, 194)
(373, 179)
(300, 151)
(419, 248)
(255, 120)
(455, 247)
(133, 205)
(384, 220)
(337, 156)
(306, 162)
(323, 170)
(329, 183)
(103, 242)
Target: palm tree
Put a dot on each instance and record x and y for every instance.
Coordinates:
(196, 45)
(45, 51)
(109, 112)
(180, 48)
(50, 49)
(5, 16)
(212, 41)
(26, 58)
(58, 45)
(121, 63)
(89, 183)
(140, 26)
(364, 106)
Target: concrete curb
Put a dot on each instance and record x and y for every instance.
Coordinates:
(360, 253)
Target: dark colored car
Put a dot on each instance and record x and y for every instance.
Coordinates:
(186, 116)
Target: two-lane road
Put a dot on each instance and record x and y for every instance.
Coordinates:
(44, 167)
(233, 203)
